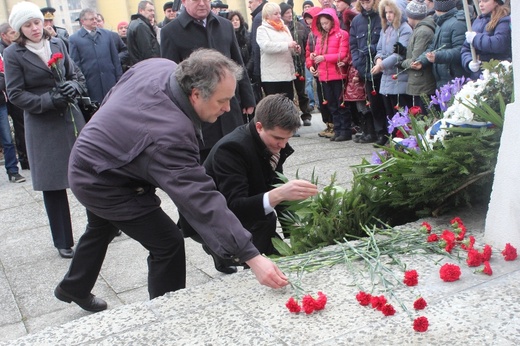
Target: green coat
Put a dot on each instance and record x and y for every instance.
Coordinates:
(420, 81)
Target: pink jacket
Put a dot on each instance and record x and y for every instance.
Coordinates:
(334, 47)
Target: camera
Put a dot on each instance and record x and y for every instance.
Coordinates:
(219, 8)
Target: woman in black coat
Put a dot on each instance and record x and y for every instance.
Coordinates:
(242, 34)
(46, 92)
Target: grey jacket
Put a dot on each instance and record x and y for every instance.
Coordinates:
(145, 136)
(49, 132)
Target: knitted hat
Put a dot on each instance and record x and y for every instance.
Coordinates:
(120, 24)
(284, 8)
(308, 2)
(444, 5)
(22, 12)
(416, 9)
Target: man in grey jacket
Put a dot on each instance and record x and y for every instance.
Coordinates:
(146, 136)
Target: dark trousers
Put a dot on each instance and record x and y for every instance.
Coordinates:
(285, 88)
(19, 133)
(376, 105)
(155, 231)
(57, 207)
(341, 116)
(326, 116)
(303, 99)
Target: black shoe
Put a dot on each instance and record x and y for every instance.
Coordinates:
(15, 178)
(343, 138)
(91, 303)
(381, 140)
(24, 165)
(366, 139)
(221, 264)
(306, 122)
(66, 253)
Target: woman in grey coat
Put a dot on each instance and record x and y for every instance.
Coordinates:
(52, 119)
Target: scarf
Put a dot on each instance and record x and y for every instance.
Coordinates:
(278, 26)
(42, 49)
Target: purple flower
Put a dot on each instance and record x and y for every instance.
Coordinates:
(444, 94)
(399, 120)
(410, 143)
(376, 157)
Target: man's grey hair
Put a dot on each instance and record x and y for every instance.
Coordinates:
(4, 28)
(84, 12)
(142, 5)
(204, 70)
(277, 110)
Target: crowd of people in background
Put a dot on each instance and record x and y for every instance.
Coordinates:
(357, 62)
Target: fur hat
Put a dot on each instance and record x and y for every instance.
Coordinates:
(284, 8)
(307, 2)
(416, 9)
(22, 12)
(167, 5)
(444, 5)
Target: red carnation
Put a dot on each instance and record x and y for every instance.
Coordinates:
(293, 305)
(378, 302)
(432, 238)
(396, 107)
(461, 232)
(419, 304)
(420, 324)
(415, 110)
(509, 252)
(425, 226)
(296, 74)
(486, 253)
(308, 304)
(373, 92)
(302, 78)
(449, 240)
(411, 278)
(342, 105)
(394, 76)
(474, 258)
(487, 268)
(324, 102)
(456, 222)
(388, 310)
(363, 298)
(467, 245)
(450, 272)
(319, 304)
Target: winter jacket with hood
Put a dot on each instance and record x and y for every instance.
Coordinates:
(334, 46)
(420, 81)
(365, 30)
(450, 35)
(495, 44)
(391, 60)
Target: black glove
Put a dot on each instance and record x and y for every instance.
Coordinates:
(400, 49)
(68, 89)
(58, 100)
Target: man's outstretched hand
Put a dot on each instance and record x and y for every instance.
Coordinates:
(267, 273)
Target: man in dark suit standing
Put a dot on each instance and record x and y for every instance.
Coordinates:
(94, 52)
(197, 27)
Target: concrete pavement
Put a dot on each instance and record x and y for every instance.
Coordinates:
(219, 309)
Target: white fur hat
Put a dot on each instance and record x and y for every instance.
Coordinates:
(22, 12)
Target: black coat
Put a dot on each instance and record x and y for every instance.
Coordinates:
(182, 36)
(239, 165)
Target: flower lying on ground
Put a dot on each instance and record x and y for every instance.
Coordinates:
(420, 304)
(509, 252)
(411, 278)
(450, 272)
(420, 324)
(309, 304)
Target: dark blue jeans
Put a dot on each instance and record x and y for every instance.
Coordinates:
(11, 163)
